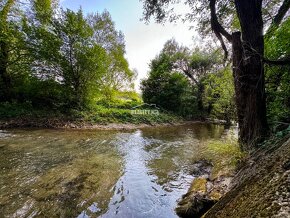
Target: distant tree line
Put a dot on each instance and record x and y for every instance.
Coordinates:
(245, 28)
(54, 57)
(196, 84)
(190, 82)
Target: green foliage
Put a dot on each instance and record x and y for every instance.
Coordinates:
(122, 101)
(102, 114)
(118, 75)
(168, 90)
(11, 47)
(83, 62)
(43, 10)
(61, 59)
(278, 77)
(8, 110)
(199, 12)
(229, 150)
(120, 112)
(25, 110)
(185, 82)
(62, 64)
(219, 95)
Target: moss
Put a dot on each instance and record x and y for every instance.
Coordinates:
(224, 156)
(260, 188)
(73, 188)
(198, 185)
(215, 195)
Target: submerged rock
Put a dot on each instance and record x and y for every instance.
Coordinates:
(194, 206)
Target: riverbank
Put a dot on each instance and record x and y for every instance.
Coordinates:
(55, 123)
(114, 116)
(213, 174)
(62, 123)
(98, 117)
(259, 187)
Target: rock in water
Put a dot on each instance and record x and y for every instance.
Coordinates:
(194, 206)
(203, 192)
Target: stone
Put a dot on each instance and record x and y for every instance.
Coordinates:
(194, 206)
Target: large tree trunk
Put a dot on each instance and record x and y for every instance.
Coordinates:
(248, 50)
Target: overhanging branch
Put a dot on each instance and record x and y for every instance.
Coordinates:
(279, 16)
(281, 12)
(218, 28)
(281, 62)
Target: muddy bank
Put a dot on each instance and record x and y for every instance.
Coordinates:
(212, 177)
(260, 188)
(204, 192)
(71, 124)
(56, 123)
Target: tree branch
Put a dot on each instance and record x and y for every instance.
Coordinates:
(220, 38)
(186, 72)
(281, 12)
(279, 16)
(282, 61)
(218, 28)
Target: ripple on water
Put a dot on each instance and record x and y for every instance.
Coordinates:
(90, 173)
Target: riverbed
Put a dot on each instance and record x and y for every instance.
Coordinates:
(100, 173)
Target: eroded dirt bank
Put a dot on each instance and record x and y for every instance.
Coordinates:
(261, 188)
(67, 124)
(56, 123)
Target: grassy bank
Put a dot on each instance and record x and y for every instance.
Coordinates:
(26, 115)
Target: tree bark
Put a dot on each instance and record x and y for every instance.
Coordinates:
(248, 52)
(238, 71)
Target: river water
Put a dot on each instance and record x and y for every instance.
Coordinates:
(93, 173)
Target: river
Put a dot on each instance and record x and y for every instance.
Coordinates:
(93, 173)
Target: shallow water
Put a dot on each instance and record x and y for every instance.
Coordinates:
(92, 173)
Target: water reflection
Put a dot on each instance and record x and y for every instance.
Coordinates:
(99, 173)
(136, 193)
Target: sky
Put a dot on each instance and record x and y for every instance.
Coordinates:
(143, 41)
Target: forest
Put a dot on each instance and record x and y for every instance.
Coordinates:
(58, 62)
